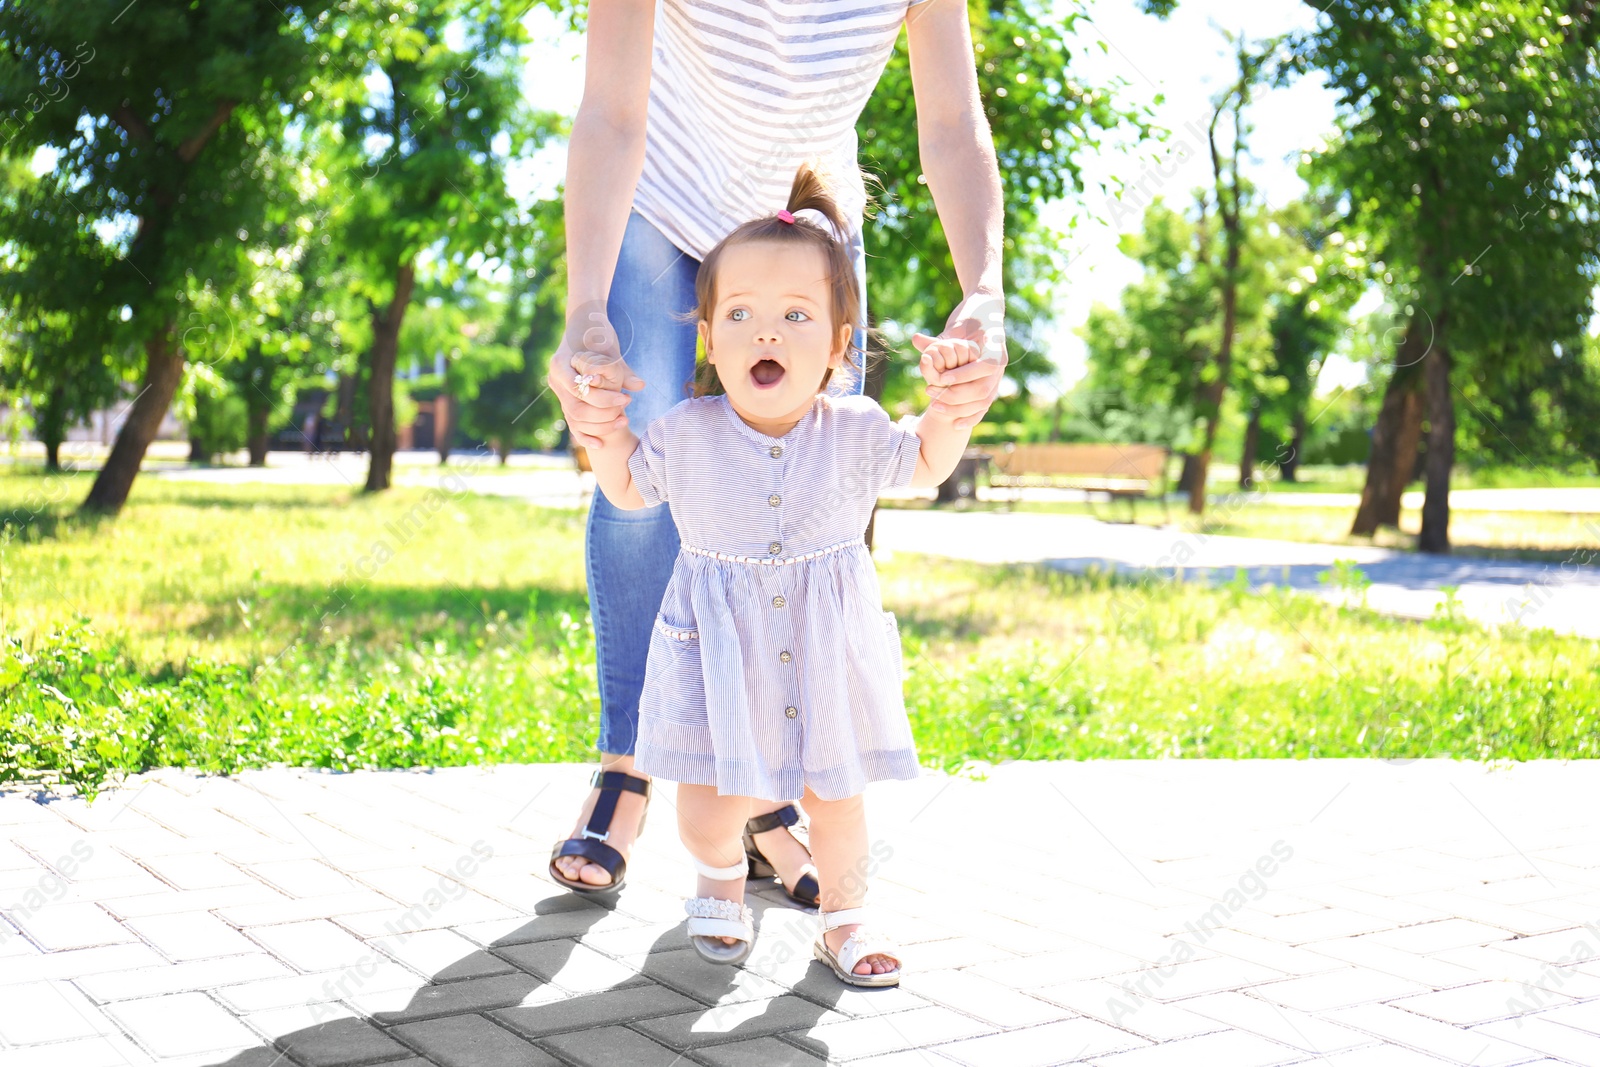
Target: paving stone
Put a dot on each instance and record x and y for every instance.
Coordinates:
(1319, 993)
(1127, 1010)
(611, 1045)
(736, 1021)
(853, 1038)
(1440, 935)
(594, 1010)
(471, 1041)
(82, 924)
(687, 972)
(570, 965)
(1380, 1056)
(442, 955)
(190, 936)
(375, 976)
(1440, 971)
(1192, 977)
(181, 977)
(1467, 1005)
(342, 906)
(759, 1052)
(961, 951)
(110, 1051)
(317, 945)
(179, 1024)
(205, 870)
(1477, 1047)
(1584, 1016)
(1232, 1047)
(1051, 968)
(1287, 1026)
(38, 1012)
(1545, 1037)
(45, 966)
(337, 1042)
(456, 998)
(185, 901)
(1036, 1046)
(982, 998)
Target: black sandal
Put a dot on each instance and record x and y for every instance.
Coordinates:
(804, 891)
(591, 841)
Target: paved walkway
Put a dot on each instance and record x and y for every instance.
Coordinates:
(1564, 597)
(1187, 913)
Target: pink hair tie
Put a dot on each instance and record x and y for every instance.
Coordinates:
(784, 216)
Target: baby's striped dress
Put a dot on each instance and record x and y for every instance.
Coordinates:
(772, 663)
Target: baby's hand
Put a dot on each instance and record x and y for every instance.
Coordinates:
(944, 353)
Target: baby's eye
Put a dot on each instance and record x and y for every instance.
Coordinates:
(802, 314)
(736, 313)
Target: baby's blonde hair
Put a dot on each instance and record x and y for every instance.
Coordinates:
(810, 190)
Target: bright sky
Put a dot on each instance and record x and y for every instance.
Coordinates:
(1185, 58)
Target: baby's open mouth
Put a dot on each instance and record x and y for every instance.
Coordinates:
(767, 372)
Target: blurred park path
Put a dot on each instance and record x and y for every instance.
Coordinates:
(1557, 596)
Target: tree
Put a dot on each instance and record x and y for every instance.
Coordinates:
(1042, 119)
(1228, 188)
(1465, 136)
(420, 135)
(160, 167)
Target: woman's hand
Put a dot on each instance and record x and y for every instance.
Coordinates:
(967, 361)
(590, 346)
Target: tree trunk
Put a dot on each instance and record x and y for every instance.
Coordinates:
(163, 371)
(1435, 535)
(1252, 442)
(1212, 392)
(197, 450)
(258, 439)
(1186, 475)
(444, 416)
(1393, 459)
(380, 387)
(1289, 469)
(344, 413)
(52, 426)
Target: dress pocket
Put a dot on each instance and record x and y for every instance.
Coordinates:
(674, 683)
(896, 653)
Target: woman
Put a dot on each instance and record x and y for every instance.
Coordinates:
(690, 125)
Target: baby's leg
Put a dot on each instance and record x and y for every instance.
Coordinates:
(839, 848)
(710, 827)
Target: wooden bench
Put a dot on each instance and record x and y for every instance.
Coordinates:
(1128, 472)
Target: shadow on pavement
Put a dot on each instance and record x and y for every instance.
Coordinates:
(493, 1004)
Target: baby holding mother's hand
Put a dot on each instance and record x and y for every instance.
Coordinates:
(694, 121)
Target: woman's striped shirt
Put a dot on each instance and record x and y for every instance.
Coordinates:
(743, 92)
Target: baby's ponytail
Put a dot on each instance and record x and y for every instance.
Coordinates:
(811, 191)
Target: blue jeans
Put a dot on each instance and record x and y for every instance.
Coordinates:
(629, 554)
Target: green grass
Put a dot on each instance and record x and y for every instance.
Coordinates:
(222, 628)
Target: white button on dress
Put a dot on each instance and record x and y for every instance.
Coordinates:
(705, 713)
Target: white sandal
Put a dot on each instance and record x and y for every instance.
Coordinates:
(857, 947)
(712, 918)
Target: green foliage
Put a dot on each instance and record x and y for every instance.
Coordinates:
(1043, 120)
